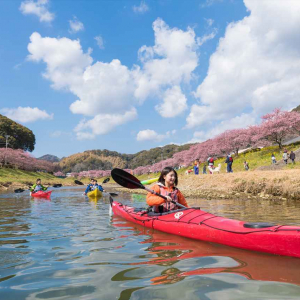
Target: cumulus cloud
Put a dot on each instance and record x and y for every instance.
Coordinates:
(151, 135)
(170, 61)
(26, 114)
(141, 9)
(38, 8)
(174, 103)
(255, 67)
(102, 124)
(99, 41)
(106, 89)
(75, 25)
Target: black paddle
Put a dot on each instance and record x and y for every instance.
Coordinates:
(129, 181)
(106, 180)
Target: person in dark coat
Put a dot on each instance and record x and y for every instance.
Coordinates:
(293, 157)
(229, 161)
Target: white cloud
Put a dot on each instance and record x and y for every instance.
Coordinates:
(151, 135)
(169, 62)
(26, 114)
(99, 41)
(141, 9)
(174, 103)
(209, 22)
(110, 88)
(75, 25)
(102, 124)
(38, 8)
(207, 37)
(256, 66)
(242, 121)
(59, 133)
(210, 3)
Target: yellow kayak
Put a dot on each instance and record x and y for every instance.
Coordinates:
(95, 194)
(149, 181)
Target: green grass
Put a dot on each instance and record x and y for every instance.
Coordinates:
(21, 176)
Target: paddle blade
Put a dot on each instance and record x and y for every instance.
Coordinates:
(57, 185)
(114, 194)
(78, 182)
(106, 180)
(125, 179)
(19, 190)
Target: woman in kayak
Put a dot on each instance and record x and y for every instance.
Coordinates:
(38, 186)
(167, 187)
(92, 186)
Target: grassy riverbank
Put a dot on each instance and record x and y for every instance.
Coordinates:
(19, 178)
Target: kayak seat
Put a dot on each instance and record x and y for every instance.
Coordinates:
(259, 225)
(154, 214)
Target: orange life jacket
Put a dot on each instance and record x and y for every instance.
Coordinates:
(167, 205)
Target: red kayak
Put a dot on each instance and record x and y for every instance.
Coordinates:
(197, 224)
(41, 194)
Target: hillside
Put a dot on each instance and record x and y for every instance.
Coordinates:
(49, 157)
(20, 137)
(106, 160)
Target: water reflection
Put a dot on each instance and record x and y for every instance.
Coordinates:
(70, 248)
(186, 257)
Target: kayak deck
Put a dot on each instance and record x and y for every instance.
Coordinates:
(200, 225)
(96, 193)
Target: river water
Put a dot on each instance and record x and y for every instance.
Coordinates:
(71, 248)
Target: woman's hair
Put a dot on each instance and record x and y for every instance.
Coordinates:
(166, 171)
(38, 180)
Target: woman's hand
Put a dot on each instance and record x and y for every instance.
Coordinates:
(169, 199)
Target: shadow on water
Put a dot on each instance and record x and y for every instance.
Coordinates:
(71, 248)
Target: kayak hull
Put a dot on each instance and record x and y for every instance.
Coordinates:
(200, 225)
(41, 194)
(95, 194)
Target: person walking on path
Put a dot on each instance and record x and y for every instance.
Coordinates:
(292, 157)
(246, 166)
(229, 161)
(273, 159)
(204, 169)
(285, 156)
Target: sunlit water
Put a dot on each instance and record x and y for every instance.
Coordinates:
(71, 248)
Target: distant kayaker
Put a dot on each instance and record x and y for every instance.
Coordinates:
(38, 186)
(92, 186)
(167, 187)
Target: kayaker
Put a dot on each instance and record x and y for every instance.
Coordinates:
(100, 188)
(38, 186)
(167, 187)
(92, 186)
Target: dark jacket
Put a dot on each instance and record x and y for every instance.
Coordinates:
(292, 155)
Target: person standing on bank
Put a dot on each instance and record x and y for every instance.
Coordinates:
(285, 156)
(292, 157)
(229, 161)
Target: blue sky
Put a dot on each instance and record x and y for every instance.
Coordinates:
(131, 75)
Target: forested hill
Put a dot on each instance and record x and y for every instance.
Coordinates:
(49, 157)
(19, 137)
(106, 160)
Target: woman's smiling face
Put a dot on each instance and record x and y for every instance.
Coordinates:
(170, 178)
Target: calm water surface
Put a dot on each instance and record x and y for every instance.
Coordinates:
(71, 248)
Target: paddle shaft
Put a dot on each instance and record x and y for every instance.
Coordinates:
(151, 191)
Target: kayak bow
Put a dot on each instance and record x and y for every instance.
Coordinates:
(96, 193)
